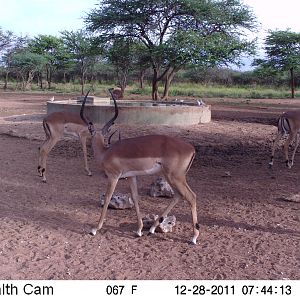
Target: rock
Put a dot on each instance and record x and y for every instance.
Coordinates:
(118, 201)
(165, 226)
(161, 188)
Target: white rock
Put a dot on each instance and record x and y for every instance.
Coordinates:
(118, 201)
(161, 188)
(165, 226)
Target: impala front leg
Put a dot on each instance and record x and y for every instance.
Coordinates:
(86, 167)
(135, 198)
(109, 192)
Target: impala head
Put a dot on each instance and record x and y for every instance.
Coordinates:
(105, 129)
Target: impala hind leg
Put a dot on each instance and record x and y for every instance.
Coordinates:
(135, 198)
(185, 191)
(40, 158)
(290, 139)
(275, 143)
(295, 149)
(109, 192)
(44, 151)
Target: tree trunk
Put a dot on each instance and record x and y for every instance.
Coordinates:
(292, 82)
(82, 77)
(168, 80)
(82, 83)
(50, 80)
(155, 81)
(48, 76)
(40, 80)
(122, 75)
(30, 77)
(142, 75)
(6, 80)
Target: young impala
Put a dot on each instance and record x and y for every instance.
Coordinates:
(288, 124)
(143, 155)
(56, 126)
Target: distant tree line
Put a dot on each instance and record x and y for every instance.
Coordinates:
(157, 42)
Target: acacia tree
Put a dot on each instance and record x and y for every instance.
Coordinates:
(16, 45)
(9, 44)
(26, 64)
(82, 50)
(51, 48)
(176, 32)
(122, 54)
(6, 43)
(282, 53)
(6, 39)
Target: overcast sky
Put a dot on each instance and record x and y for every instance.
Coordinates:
(33, 17)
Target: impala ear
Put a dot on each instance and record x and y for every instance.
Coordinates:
(109, 139)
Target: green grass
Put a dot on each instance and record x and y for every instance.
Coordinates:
(212, 91)
(177, 90)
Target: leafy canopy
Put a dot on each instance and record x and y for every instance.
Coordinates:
(283, 49)
(177, 32)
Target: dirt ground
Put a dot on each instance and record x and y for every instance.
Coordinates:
(248, 214)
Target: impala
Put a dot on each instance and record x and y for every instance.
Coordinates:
(118, 94)
(288, 124)
(56, 126)
(143, 155)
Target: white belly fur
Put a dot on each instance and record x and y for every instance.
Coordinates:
(69, 132)
(155, 169)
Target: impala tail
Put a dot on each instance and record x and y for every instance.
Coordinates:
(283, 125)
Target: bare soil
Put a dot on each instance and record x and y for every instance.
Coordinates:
(248, 214)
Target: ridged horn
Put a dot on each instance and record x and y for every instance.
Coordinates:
(106, 127)
(82, 109)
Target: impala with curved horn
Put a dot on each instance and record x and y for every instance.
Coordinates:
(143, 155)
(56, 126)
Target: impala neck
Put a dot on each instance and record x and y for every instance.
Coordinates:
(99, 146)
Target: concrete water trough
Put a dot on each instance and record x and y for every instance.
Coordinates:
(100, 110)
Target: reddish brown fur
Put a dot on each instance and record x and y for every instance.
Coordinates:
(56, 125)
(288, 122)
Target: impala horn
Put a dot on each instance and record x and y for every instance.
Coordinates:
(82, 109)
(107, 126)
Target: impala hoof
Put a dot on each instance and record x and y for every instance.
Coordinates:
(152, 230)
(139, 233)
(89, 173)
(192, 242)
(93, 231)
